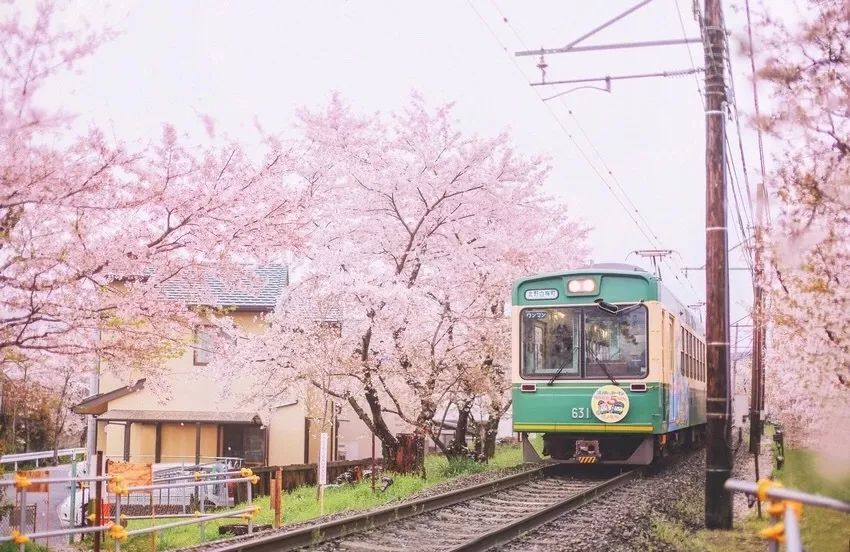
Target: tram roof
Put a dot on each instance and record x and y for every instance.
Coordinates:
(653, 285)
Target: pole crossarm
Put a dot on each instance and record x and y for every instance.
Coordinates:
(674, 73)
(614, 46)
(595, 30)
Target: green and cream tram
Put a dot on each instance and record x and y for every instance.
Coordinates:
(607, 365)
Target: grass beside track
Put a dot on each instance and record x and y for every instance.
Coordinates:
(822, 529)
(300, 504)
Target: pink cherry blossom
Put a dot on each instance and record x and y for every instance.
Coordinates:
(417, 232)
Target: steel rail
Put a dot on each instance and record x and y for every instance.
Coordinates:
(317, 534)
(509, 532)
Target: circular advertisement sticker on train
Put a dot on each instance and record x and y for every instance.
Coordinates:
(609, 403)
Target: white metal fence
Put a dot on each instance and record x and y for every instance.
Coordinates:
(786, 504)
(23, 457)
(196, 490)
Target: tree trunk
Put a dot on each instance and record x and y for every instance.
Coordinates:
(59, 419)
(457, 449)
(491, 431)
(374, 420)
(12, 438)
(410, 454)
(491, 427)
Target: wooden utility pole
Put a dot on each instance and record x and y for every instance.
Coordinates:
(718, 465)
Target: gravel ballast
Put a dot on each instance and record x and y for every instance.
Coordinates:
(626, 519)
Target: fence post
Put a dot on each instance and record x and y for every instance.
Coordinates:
(116, 545)
(183, 498)
(278, 496)
(792, 531)
(72, 509)
(23, 516)
(202, 497)
(250, 492)
(98, 495)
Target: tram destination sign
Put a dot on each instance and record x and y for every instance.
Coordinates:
(540, 294)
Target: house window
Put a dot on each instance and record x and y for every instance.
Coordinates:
(208, 341)
(204, 338)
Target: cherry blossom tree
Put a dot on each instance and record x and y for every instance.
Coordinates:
(417, 234)
(91, 231)
(807, 68)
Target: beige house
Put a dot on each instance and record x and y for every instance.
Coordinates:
(203, 418)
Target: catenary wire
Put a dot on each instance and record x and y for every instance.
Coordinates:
(764, 197)
(690, 54)
(645, 229)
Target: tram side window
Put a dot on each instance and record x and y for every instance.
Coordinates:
(693, 356)
(691, 353)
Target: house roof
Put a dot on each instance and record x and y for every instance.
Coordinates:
(259, 292)
(97, 404)
(191, 416)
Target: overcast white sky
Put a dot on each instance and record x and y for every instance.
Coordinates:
(238, 61)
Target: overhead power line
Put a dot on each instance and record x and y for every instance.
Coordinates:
(625, 201)
(690, 54)
(763, 196)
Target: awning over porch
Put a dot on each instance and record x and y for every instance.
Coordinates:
(97, 404)
(187, 416)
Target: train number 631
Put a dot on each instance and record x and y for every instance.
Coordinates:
(578, 412)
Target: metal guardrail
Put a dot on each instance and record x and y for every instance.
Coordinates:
(786, 503)
(22, 457)
(188, 460)
(114, 527)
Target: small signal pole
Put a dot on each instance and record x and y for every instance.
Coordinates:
(718, 465)
(759, 315)
(322, 477)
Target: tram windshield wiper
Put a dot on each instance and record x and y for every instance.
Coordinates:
(558, 372)
(606, 307)
(599, 362)
(611, 308)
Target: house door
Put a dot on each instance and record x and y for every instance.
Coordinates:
(245, 441)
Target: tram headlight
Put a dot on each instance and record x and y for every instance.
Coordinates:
(582, 285)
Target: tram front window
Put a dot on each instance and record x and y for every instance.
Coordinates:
(584, 342)
(551, 342)
(615, 344)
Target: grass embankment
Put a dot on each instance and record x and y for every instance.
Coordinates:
(301, 505)
(29, 547)
(823, 530)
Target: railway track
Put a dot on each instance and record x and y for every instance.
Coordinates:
(474, 518)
